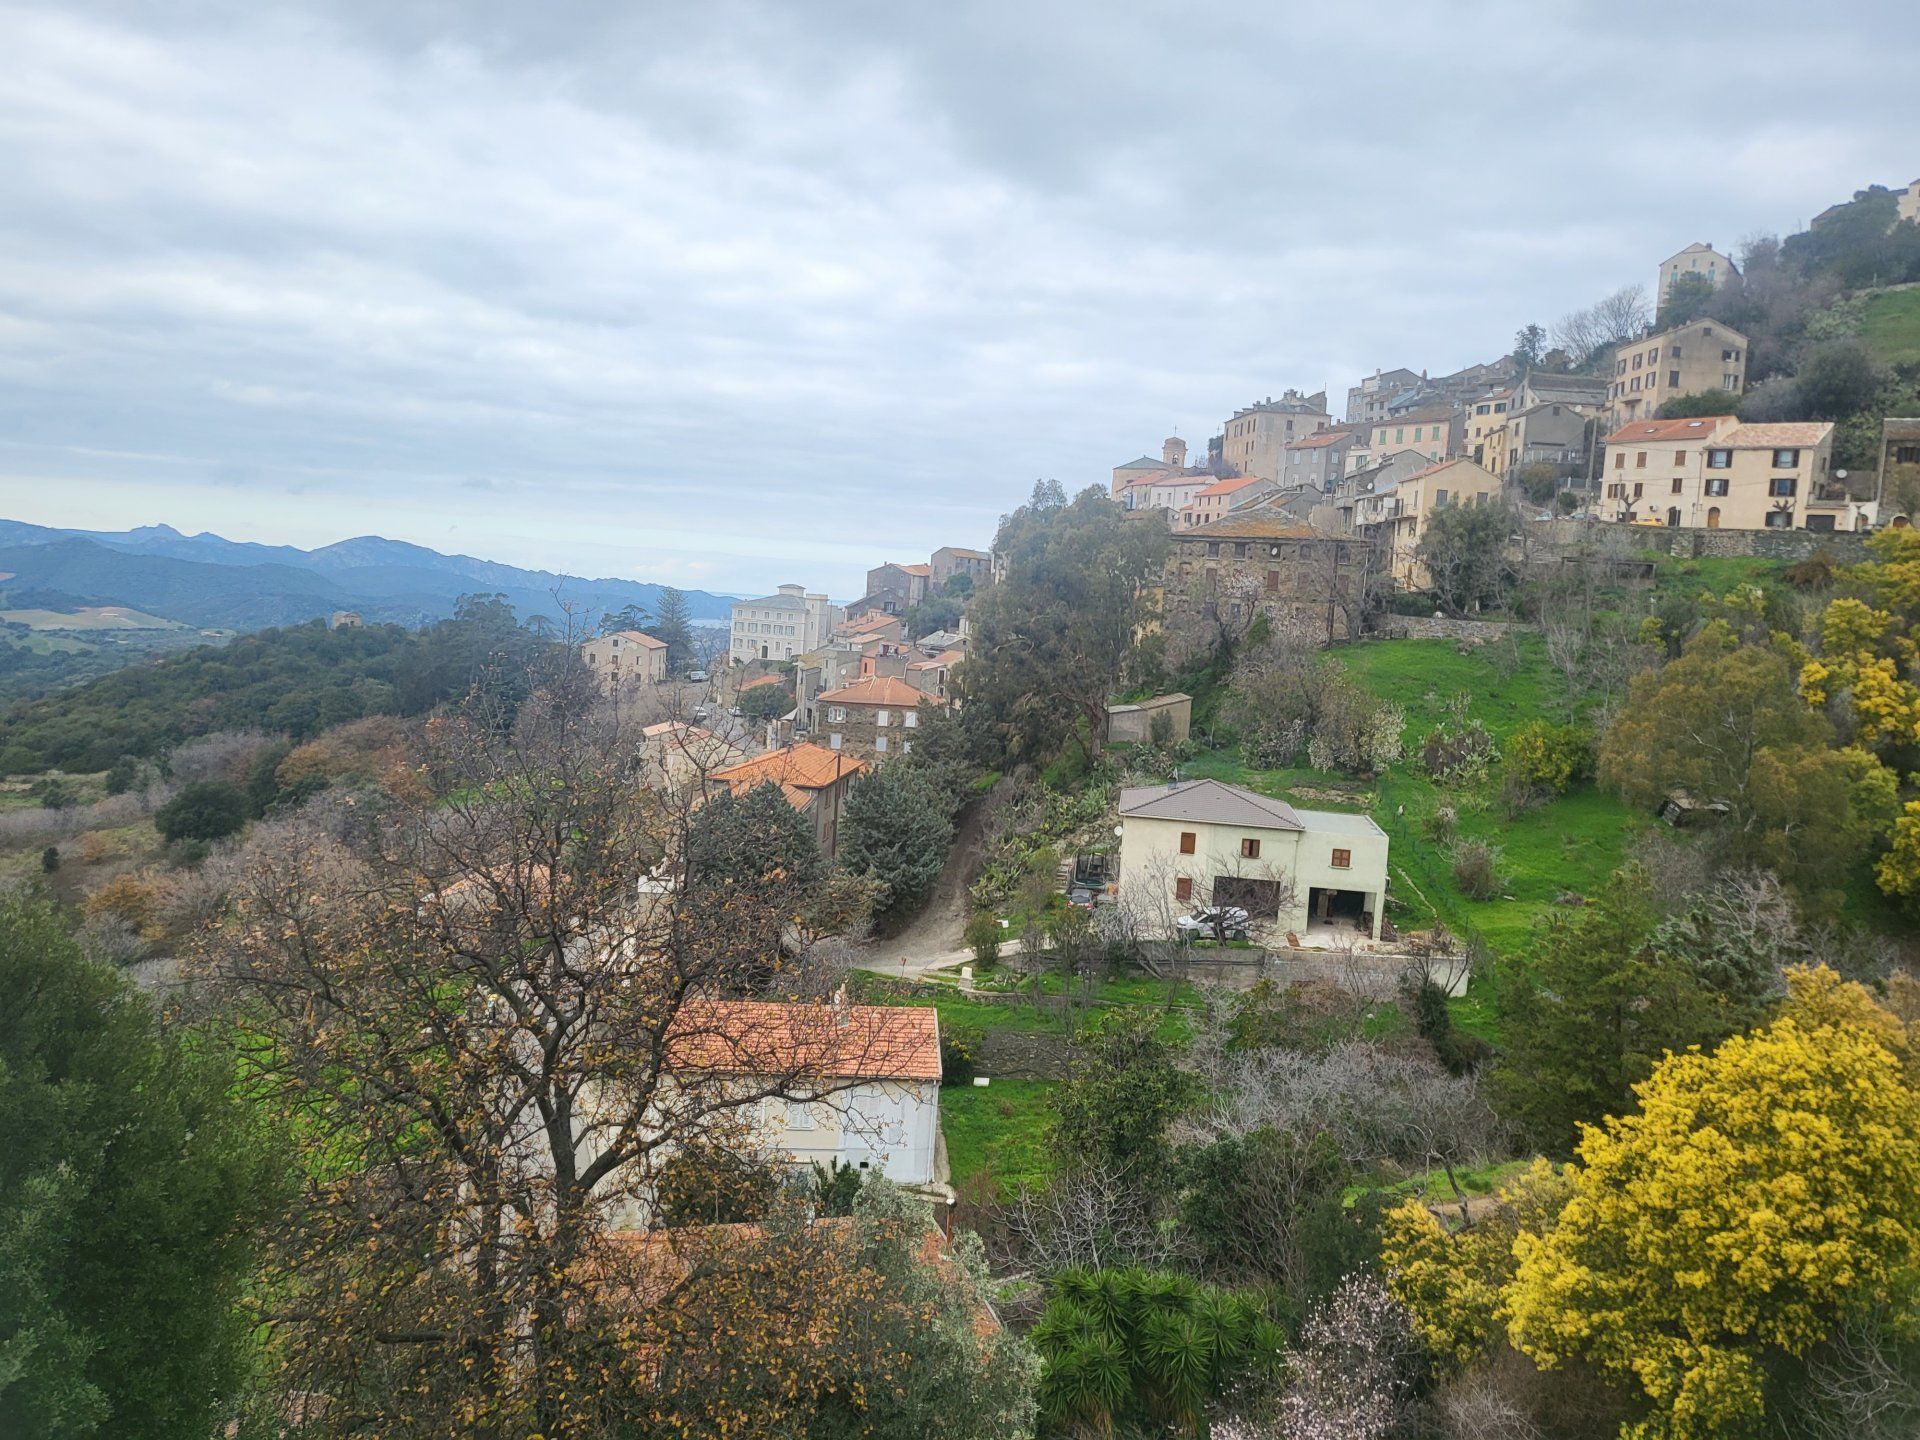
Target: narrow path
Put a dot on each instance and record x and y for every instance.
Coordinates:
(933, 937)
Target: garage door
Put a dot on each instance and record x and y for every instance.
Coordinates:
(1256, 897)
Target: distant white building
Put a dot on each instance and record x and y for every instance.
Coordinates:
(781, 626)
(1317, 873)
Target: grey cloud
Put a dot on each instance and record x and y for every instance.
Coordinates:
(794, 286)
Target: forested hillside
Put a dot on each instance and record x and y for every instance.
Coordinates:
(298, 680)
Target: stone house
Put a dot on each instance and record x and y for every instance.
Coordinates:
(1317, 461)
(1303, 579)
(1899, 481)
(1699, 357)
(1318, 874)
(910, 581)
(625, 660)
(873, 717)
(951, 560)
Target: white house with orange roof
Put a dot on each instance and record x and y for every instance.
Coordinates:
(1212, 502)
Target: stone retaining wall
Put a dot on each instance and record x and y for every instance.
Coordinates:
(1438, 627)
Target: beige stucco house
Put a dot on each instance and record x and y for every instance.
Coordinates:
(1716, 473)
(1697, 259)
(1436, 431)
(1255, 439)
(1395, 515)
(1691, 359)
(1315, 873)
(625, 659)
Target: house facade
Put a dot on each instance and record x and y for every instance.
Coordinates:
(1255, 438)
(1367, 401)
(1549, 433)
(1395, 515)
(1213, 502)
(625, 660)
(951, 560)
(1703, 356)
(677, 757)
(911, 581)
(1899, 487)
(874, 717)
(1302, 579)
(1697, 259)
(1715, 473)
(1485, 428)
(1317, 461)
(780, 626)
(1317, 874)
(862, 1082)
(1436, 431)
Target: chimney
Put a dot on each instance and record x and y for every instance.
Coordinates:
(842, 1008)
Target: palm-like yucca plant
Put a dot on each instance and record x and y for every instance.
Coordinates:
(1085, 1382)
(1175, 1362)
(1142, 1344)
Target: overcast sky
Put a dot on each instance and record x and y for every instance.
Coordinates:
(730, 294)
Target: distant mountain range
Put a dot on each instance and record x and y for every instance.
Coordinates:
(210, 581)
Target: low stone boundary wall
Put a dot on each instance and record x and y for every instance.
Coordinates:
(1438, 627)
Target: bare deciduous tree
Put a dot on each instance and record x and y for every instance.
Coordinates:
(488, 1019)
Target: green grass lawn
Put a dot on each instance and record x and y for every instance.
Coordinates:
(1891, 326)
(1001, 1129)
(1422, 676)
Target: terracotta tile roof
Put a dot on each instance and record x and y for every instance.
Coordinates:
(1699, 427)
(876, 690)
(636, 637)
(798, 769)
(1803, 435)
(755, 684)
(1227, 487)
(821, 1041)
(917, 569)
(1253, 526)
(872, 620)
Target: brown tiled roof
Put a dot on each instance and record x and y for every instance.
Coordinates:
(1660, 431)
(756, 683)
(1320, 439)
(916, 569)
(876, 690)
(1253, 526)
(1767, 437)
(828, 1041)
(1440, 465)
(798, 769)
(637, 637)
(1430, 414)
(963, 553)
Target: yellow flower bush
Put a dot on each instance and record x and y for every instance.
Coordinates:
(1761, 1192)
